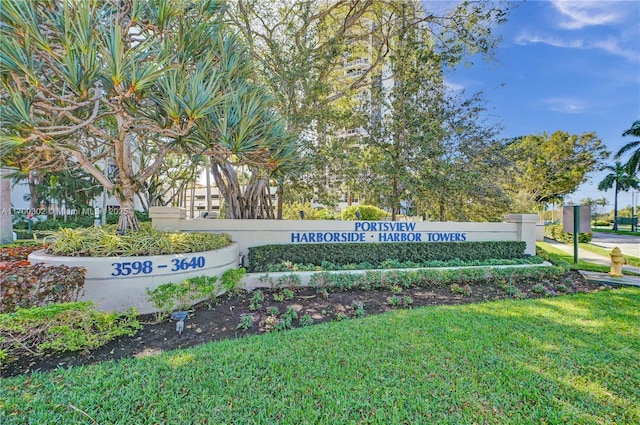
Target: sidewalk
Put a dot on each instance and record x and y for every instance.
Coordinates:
(594, 258)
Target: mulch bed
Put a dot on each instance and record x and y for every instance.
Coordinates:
(207, 323)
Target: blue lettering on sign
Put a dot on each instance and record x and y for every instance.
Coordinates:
(446, 237)
(387, 232)
(392, 226)
(132, 268)
(326, 237)
(399, 237)
(185, 264)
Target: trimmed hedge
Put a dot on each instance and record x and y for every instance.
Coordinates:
(260, 257)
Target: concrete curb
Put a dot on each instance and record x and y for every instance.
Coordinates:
(605, 279)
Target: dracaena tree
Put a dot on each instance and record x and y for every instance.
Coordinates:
(249, 146)
(97, 79)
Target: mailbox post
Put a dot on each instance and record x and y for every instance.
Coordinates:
(576, 219)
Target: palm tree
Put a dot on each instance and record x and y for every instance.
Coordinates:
(633, 164)
(619, 179)
(591, 203)
(602, 202)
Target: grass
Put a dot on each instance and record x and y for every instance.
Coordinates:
(558, 256)
(617, 232)
(570, 359)
(634, 261)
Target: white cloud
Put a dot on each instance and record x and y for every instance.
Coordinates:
(611, 45)
(580, 14)
(566, 105)
(524, 39)
(453, 86)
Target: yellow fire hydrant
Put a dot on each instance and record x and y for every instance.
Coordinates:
(617, 261)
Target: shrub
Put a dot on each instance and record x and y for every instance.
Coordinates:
(367, 212)
(17, 252)
(428, 277)
(23, 285)
(256, 300)
(388, 264)
(601, 223)
(463, 290)
(60, 327)
(306, 320)
(555, 232)
(230, 280)
(170, 296)
(340, 254)
(292, 212)
(246, 322)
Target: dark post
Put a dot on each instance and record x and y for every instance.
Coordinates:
(576, 230)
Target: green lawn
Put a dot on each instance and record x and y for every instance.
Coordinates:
(571, 359)
(557, 256)
(621, 230)
(634, 261)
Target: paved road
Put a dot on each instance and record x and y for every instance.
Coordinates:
(629, 245)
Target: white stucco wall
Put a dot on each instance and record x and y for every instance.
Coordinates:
(116, 283)
(248, 233)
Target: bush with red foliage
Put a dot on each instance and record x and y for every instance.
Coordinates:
(17, 253)
(25, 285)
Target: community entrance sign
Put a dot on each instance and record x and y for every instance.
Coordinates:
(249, 233)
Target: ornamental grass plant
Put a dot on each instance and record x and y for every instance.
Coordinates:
(104, 242)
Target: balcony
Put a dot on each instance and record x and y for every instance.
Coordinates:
(357, 63)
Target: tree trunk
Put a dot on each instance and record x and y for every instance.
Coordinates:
(193, 199)
(32, 178)
(442, 210)
(394, 198)
(615, 209)
(248, 202)
(6, 223)
(128, 219)
(208, 175)
(280, 201)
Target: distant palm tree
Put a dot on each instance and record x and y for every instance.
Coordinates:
(633, 164)
(602, 202)
(622, 181)
(592, 205)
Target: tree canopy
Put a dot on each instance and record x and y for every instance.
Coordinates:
(547, 167)
(303, 47)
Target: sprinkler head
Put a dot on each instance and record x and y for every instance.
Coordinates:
(179, 316)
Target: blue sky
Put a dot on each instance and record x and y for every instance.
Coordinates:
(564, 65)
